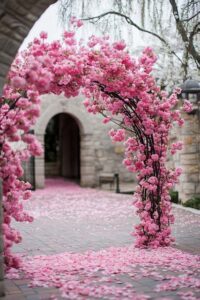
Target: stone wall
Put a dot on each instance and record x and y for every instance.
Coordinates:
(189, 158)
(98, 154)
(1, 246)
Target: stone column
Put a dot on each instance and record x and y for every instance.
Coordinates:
(189, 158)
(39, 165)
(2, 289)
(87, 160)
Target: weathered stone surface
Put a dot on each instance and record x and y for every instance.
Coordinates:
(189, 187)
(198, 189)
(97, 153)
(188, 140)
(16, 19)
(189, 157)
(2, 290)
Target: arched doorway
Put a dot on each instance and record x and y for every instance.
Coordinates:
(62, 147)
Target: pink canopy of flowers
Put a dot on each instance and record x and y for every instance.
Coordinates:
(115, 85)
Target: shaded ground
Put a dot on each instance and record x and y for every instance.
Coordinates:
(72, 227)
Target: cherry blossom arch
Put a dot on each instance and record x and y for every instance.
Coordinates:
(120, 88)
(57, 105)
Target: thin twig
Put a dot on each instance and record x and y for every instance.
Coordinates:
(130, 21)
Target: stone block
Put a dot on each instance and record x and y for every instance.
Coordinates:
(88, 181)
(1, 246)
(39, 165)
(4, 67)
(198, 189)
(99, 153)
(2, 288)
(87, 151)
(190, 148)
(85, 170)
(188, 140)
(39, 182)
(194, 178)
(1, 267)
(189, 156)
(5, 59)
(191, 169)
(31, 17)
(189, 187)
(11, 47)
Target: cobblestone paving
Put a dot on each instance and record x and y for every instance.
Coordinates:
(69, 219)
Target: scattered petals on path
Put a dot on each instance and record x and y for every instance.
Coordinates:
(112, 273)
(72, 201)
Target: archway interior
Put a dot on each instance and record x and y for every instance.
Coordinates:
(62, 147)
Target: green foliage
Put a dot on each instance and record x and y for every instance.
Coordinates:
(174, 196)
(193, 202)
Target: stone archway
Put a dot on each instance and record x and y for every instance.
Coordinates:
(16, 19)
(62, 147)
(53, 105)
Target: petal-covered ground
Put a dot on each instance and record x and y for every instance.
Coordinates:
(80, 243)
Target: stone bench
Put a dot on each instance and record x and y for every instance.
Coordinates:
(110, 178)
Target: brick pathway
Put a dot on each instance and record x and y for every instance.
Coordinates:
(71, 219)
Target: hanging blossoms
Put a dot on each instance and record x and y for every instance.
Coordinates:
(115, 85)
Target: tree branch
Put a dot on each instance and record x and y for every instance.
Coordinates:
(192, 17)
(182, 32)
(130, 21)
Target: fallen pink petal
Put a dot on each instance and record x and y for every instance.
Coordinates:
(94, 256)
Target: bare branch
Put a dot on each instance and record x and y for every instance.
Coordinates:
(189, 4)
(192, 17)
(130, 21)
(195, 30)
(182, 32)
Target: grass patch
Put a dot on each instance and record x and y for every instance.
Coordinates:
(174, 196)
(193, 202)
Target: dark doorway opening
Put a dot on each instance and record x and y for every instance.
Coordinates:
(62, 147)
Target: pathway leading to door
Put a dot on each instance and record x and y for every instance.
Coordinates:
(80, 242)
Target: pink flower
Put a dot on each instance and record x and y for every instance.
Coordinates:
(76, 22)
(68, 34)
(155, 157)
(106, 120)
(119, 45)
(79, 23)
(117, 135)
(187, 106)
(18, 82)
(43, 35)
(27, 195)
(176, 146)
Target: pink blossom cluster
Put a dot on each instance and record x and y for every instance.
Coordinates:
(125, 91)
(18, 113)
(117, 135)
(187, 106)
(115, 85)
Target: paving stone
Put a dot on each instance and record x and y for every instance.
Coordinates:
(93, 233)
